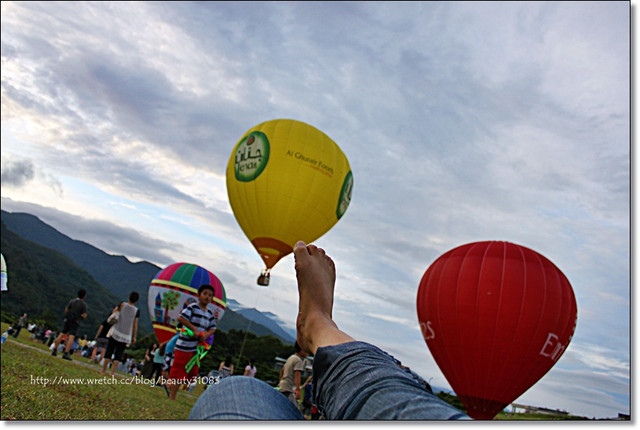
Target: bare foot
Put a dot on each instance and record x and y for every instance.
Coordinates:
(316, 274)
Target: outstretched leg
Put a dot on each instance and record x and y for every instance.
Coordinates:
(353, 380)
(316, 274)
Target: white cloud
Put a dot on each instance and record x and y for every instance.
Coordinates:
(396, 320)
(600, 360)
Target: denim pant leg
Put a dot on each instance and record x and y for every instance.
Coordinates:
(243, 398)
(359, 381)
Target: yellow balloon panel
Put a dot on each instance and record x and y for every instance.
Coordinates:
(287, 181)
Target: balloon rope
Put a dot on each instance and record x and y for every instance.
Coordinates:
(243, 342)
(246, 332)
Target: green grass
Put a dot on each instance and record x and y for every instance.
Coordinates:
(24, 397)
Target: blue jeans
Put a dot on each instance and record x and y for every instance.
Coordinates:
(352, 381)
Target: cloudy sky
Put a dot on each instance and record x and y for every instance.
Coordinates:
(461, 121)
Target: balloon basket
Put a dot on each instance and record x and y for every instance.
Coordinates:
(263, 279)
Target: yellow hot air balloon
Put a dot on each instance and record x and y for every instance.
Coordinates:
(286, 181)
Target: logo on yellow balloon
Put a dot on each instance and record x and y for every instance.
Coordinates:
(345, 195)
(252, 155)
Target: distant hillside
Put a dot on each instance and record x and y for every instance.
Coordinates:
(266, 319)
(234, 321)
(42, 281)
(117, 273)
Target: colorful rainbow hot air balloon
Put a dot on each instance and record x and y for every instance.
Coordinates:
(286, 181)
(496, 317)
(176, 287)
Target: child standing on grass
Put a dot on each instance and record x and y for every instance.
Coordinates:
(201, 321)
(158, 361)
(168, 356)
(101, 338)
(21, 323)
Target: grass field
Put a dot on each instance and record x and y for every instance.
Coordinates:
(38, 386)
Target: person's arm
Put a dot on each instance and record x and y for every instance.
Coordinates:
(98, 332)
(246, 371)
(185, 322)
(135, 330)
(210, 331)
(84, 314)
(231, 369)
(296, 378)
(220, 367)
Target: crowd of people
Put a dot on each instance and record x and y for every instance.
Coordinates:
(117, 331)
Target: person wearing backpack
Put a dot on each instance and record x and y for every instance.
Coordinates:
(75, 312)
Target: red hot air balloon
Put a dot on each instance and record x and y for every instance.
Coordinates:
(175, 288)
(496, 317)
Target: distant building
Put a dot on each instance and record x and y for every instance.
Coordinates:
(526, 409)
(279, 362)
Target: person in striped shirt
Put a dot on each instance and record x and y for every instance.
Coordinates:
(202, 322)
